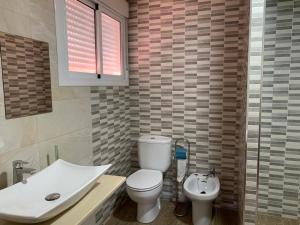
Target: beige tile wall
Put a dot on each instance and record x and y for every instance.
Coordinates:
(69, 125)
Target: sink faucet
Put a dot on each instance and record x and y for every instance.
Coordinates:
(211, 173)
(19, 170)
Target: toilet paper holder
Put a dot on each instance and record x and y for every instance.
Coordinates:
(181, 208)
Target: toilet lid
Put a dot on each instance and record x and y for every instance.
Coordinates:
(144, 179)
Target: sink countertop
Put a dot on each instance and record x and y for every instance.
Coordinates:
(104, 188)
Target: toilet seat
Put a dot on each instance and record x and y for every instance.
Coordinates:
(144, 180)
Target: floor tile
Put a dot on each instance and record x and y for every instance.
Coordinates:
(126, 215)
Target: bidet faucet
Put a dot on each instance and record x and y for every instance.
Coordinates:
(211, 173)
(19, 170)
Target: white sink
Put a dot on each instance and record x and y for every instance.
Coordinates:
(26, 203)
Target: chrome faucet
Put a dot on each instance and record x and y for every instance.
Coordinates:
(19, 170)
(211, 173)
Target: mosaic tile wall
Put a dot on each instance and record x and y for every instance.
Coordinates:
(279, 176)
(185, 81)
(26, 76)
(253, 108)
(110, 133)
(243, 107)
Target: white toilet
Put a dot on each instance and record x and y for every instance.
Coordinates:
(202, 190)
(145, 186)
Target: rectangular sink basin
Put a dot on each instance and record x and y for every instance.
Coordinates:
(48, 192)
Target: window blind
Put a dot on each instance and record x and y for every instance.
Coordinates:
(81, 37)
(111, 45)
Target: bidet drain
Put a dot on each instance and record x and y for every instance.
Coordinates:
(203, 192)
(52, 197)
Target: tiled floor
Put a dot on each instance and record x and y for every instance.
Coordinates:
(126, 215)
(271, 220)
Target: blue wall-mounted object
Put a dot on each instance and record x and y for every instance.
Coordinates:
(180, 152)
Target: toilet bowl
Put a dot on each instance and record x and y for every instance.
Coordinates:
(144, 187)
(202, 190)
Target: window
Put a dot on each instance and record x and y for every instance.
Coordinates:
(111, 45)
(91, 43)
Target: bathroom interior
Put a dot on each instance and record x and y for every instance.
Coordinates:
(163, 112)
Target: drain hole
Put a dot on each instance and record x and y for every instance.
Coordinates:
(52, 197)
(203, 192)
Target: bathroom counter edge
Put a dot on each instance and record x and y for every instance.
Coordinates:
(77, 214)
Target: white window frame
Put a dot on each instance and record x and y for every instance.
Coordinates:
(69, 78)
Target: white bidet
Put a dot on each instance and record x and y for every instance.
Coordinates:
(202, 190)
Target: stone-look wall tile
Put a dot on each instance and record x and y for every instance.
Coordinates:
(38, 10)
(253, 108)
(110, 137)
(14, 23)
(67, 116)
(244, 42)
(73, 147)
(17, 133)
(185, 74)
(279, 171)
(275, 96)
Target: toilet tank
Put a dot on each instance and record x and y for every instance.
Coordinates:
(154, 152)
